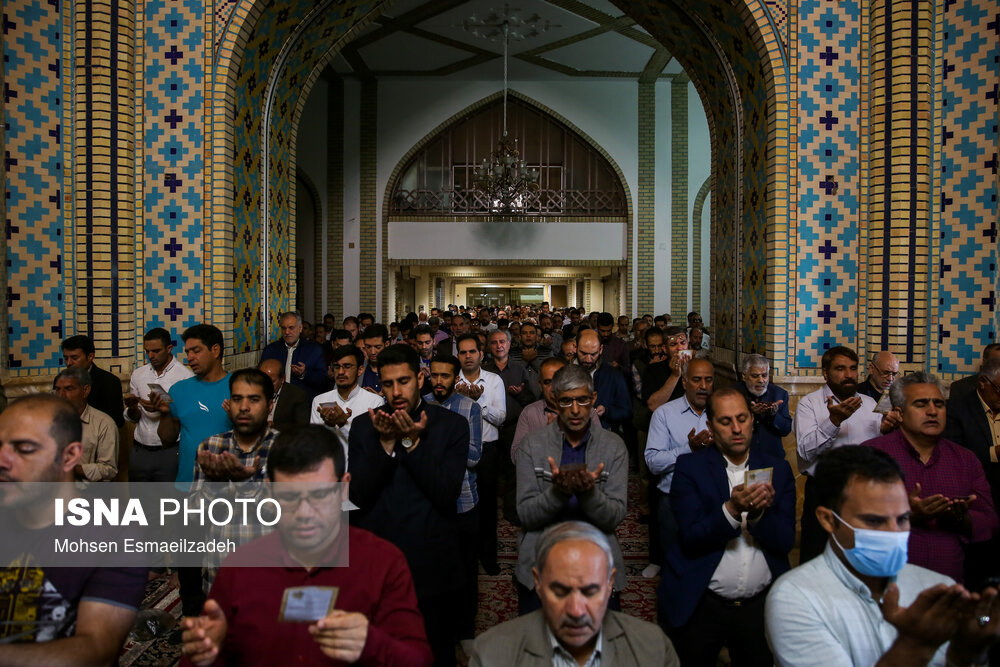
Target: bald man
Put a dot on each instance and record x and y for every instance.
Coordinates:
(613, 404)
(291, 404)
(882, 370)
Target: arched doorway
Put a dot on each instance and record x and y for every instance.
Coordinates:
(732, 54)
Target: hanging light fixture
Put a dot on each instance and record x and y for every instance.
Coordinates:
(503, 179)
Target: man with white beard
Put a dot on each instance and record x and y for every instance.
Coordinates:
(768, 404)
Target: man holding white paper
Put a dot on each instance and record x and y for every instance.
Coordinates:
(735, 509)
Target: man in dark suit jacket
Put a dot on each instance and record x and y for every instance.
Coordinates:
(968, 384)
(968, 423)
(308, 367)
(105, 387)
(291, 404)
(733, 541)
(407, 463)
(614, 405)
(768, 404)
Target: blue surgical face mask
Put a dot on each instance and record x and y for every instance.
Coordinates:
(876, 553)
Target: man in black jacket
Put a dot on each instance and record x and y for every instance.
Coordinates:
(105, 387)
(407, 462)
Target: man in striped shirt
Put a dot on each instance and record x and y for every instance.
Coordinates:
(239, 456)
(444, 372)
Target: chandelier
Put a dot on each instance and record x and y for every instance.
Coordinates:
(503, 179)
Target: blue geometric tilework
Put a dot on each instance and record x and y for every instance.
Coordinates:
(33, 94)
(288, 98)
(779, 14)
(173, 116)
(272, 28)
(969, 140)
(829, 68)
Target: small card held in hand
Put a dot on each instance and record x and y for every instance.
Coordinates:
(307, 604)
(759, 476)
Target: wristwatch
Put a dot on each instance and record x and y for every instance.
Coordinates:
(407, 443)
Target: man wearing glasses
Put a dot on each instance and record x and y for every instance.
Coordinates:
(569, 470)
(882, 370)
(338, 408)
(250, 617)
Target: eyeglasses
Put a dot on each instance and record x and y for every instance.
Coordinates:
(889, 374)
(343, 367)
(316, 499)
(568, 401)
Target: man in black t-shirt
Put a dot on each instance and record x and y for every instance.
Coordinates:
(54, 615)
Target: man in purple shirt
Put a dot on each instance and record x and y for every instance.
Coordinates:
(950, 499)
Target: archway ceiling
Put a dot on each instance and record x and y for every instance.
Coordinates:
(588, 38)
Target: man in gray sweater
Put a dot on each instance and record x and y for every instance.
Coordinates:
(569, 471)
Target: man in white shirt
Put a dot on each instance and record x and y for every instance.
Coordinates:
(677, 427)
(830, 417)
(338, 408)
(151, 460)
(733, 540)
(860, 602)
(486, 389)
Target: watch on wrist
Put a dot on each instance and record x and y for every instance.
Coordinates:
(407, 443)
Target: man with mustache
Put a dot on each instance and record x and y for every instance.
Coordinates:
(444, 371)
(768, 404)
(676, 428)
(574, 573)
(832, 416)
(950, 500)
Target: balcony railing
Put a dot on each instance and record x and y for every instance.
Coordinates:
(542, 202)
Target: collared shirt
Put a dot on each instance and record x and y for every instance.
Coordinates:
(493, 402)
(993, 419)
(377, 583)
(668, 437)
(468, 408)
(370, 378)
(138, 385)
(575, 456)
(358, 402)
(100, 446)
(533, 417)
(820, 614)
(815, 433)
(288, 360)
(954, 472)
(743, 571)
(563, 658)
(252, 487)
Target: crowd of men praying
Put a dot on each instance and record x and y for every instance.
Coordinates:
(440, 424)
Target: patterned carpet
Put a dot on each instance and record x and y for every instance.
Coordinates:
(497, 597)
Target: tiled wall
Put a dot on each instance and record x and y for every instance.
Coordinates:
(828, 62)
(34, 156)
(966, 271)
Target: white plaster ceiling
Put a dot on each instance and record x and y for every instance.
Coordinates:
(576, 38)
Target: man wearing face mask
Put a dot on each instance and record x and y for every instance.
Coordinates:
(860, 603)
(832, 416)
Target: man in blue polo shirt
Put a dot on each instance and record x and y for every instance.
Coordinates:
(194, 413)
